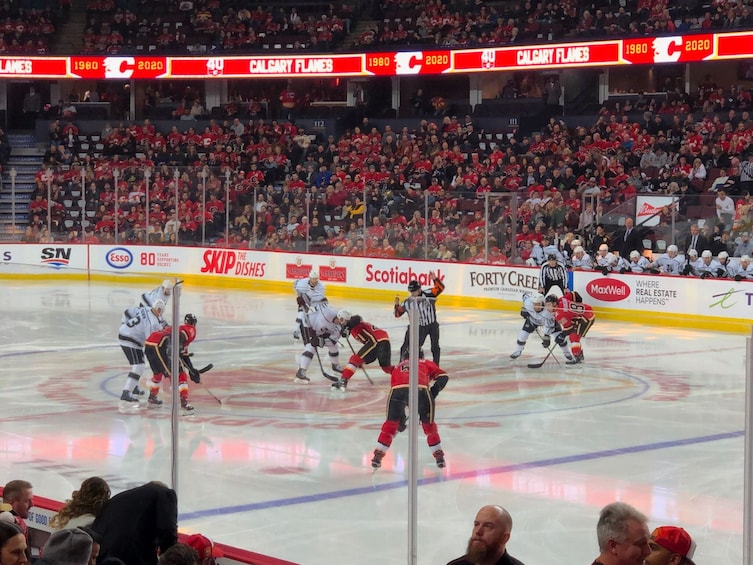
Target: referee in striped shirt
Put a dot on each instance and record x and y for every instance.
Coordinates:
(552, 274)
(427, 314)
(746, 175)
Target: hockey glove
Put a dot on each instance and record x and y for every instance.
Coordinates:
(720, 273)
(302, 303)
(738, 277)
(705, 275)
(605, 271)
(345, 332)
(194, 375)
(438, 385)
(623, 271)
(525, 314)
(546, 341)
(687, 270)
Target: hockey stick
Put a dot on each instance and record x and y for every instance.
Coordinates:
(207, 368)
(347, 338)
(549, 353)
(210, 393)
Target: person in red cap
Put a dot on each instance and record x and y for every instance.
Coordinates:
(670, 545)
(205, 547)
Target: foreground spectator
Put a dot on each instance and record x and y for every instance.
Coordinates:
(622, 534)
(67, 547)
(488, 542)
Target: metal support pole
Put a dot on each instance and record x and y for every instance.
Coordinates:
(308, 218)
(176, 176)
(116, 176)
(426, 224)
(13, 174)
(49, 202)
(748, 467)
(174, 362)
(203, 206)
(413, 431)
(82, 202)
(256, 219)
(486, 226)
(227, 207)
(147, 176)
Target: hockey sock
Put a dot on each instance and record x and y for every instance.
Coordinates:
(132, 381)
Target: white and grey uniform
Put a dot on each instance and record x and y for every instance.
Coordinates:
(713, 269)
(584, 263)
(321, 330)
(670, 265)
(693, 267)
(314, 295)
(608, 261)
(542, 319)
(735, 269)
(160, 293)
(628, 265)
(131, 336)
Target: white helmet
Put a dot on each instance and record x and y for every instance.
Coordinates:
(634, 254)
(314, 274)
(344, 315)
(168, 284)
(707, 253)
(693, 253)
(579, 249)
(537, 298)
(723, 255)
(158, 306)
(745, 259)
(555, 291)
(672, 249)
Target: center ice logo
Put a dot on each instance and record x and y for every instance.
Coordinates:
(119, 258)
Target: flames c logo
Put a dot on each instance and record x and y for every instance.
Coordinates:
(408, 63)
(667, 49)
(119, 67)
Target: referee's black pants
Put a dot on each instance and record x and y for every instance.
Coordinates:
(431, 331)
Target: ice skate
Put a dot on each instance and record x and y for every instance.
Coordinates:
(340, 385)
(376, 461)
(137, 391)
(301, 378)
(439, 458)
(516, 354)
(128, 403)
(337, 368)
(185, 408)
(153, 401)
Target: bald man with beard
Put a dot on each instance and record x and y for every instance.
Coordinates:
(488, 542)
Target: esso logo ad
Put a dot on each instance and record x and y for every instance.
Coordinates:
(119, 258)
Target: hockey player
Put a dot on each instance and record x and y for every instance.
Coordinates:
(537, 315)
(427, 314)
(635, 264)
(742, 270)
(581, 261)
(670, 263)
(376, 346)
(693, 264)
(310, 296)
(725, 262)
(575, 318)
(157, 349)
(131, 336)
(553, 273)
(605, 261)
(319, 328)
(431, 381)
(163, 293)
(708, 267)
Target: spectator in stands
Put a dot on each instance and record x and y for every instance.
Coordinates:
(744, 246)
(725, 208)
(84, 504)
(152, 511)
(18, 493)
(419, 102)
(32, 105)
(180, 554)
(71, 546)
(622, 535)
(13, 547)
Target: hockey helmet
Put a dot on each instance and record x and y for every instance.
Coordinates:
(634, 254)
(414, 286)
(344, 315)
(551, 257)
(723, 256)
(168, 284)
(672, 249)
(555, 291)
(314, 274)
(745, 259)
(190, 319)
(552, 299)
(693, 253)
(578, 249)
(158, 306)
(707, 254)
(537, 298)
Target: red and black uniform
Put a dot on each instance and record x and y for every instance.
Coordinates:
(576, 318)
(376, 347)
(157, 351)
(431, 380)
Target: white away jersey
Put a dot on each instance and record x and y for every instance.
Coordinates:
(141, 325)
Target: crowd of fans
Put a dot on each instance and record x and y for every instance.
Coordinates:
(405, 193)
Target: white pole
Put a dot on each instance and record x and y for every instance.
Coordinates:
(176, 176)
(147, 175)
(748, 467)
(175, 338)
(203, 206)
(227, 207)
(13, 174)
(49, 202)
(82, 201)
(116, 176)
(413, 431)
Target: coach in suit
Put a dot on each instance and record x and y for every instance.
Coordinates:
(629, 240)
(695, 240)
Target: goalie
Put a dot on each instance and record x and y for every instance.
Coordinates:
(318, 328)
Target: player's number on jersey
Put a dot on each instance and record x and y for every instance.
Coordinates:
(133, 322)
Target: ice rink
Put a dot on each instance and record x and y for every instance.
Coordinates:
(654, 417)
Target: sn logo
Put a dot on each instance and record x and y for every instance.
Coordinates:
(667, 49)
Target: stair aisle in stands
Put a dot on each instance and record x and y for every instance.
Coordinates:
(26, 158)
